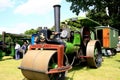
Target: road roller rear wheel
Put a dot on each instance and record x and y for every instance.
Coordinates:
(94, 54)
(85, 35)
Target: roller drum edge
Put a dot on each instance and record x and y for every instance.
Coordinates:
(94, 53)
(35, 64)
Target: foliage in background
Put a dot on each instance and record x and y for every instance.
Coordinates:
(100, 17)
(32, 31)
(8, 39)
(0, 37)
(108, 9)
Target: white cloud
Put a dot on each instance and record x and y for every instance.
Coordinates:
(36, 7)
(6, 4)
(17, 28)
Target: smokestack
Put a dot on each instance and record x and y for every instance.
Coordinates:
(57, 17)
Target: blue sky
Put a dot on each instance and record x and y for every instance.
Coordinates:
(17, 16)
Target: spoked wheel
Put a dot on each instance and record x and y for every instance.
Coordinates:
(94, 54)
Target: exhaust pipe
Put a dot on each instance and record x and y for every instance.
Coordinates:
(57, 18)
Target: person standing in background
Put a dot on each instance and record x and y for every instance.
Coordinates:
(24, 47)
(17, 54)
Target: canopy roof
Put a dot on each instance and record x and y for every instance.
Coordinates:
(79, 22)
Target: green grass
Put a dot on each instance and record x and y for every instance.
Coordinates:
(110, 70)
(9, 69)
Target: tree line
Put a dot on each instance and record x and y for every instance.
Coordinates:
(106, 12)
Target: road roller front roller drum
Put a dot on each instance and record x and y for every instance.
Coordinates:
(36, 64)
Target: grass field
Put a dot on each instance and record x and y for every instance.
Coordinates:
(110, 70)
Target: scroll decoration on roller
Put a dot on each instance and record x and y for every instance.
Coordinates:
(53, 53)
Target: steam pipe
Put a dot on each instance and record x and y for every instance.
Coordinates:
(57, 18)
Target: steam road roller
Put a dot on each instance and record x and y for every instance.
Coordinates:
(53, 53)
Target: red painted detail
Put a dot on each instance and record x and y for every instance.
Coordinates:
(59, 48)
(58, 70)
